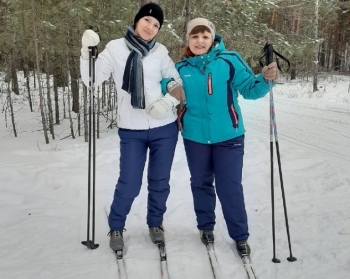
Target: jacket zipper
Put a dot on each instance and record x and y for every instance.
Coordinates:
(210, 84)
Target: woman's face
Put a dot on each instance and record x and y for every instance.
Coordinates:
(147, 28)
(200, 43)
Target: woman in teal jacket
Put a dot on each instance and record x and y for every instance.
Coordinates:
(213, 130)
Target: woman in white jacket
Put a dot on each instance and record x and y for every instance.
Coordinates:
(138, 64)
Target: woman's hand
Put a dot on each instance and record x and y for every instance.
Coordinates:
(271, 72)
(90, 39)
(163, 107)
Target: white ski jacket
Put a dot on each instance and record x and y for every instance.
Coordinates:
(156, 66)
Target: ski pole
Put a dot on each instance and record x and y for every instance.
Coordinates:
(268, 51)
(91, 243)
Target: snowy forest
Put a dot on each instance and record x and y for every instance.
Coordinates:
(44, 144)
(43, 39)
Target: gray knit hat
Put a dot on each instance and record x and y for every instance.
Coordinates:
(200, 21)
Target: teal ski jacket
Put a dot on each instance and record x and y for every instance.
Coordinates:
(212, 83)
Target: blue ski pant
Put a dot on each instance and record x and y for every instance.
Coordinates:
(223, 162)
(134, 145)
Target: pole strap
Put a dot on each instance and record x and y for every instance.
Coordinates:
(267, 52)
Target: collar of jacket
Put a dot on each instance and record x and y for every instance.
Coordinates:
(202, 60)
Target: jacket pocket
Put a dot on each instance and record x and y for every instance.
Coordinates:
(234, 116)
(180, 117)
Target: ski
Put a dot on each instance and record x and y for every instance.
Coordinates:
(163, 261)
(213, 261)
(121, 264)
(120, 258)
(248, 266)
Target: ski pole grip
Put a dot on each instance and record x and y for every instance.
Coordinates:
(269, 54)
(94, 51)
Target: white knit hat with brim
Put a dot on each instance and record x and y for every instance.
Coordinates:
(200, 21)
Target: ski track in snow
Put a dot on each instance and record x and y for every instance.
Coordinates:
(43, 206)
(316, 190)
(333, 127)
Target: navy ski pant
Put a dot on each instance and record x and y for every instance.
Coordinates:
(223, 162)
(134, 145)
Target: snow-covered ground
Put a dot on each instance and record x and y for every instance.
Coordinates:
(43, 200)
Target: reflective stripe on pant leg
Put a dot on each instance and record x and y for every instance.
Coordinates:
(228, 164)
(162, 143)
(133, 150)
(199, 158)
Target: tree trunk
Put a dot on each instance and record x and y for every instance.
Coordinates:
(322, 55)
(103, 95)
(187, 15)
(14, 78)
(73, 71)
(34, 79)
(64, 103)
(293, 74)
(86, 128)
(70, 116)
(68, 99)
(316, 50)
(74, 77)
(79, 126)
(49, 102)
(38, 74)
(57, 107)
(98, 116)
(9, 100)
(26, 75)
(109, 103)
(272, 18)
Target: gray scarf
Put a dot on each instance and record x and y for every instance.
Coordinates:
(133, 73)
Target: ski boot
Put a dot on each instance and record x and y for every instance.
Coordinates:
(116, 241)
(243, 248)
(207, 236)
(157, 234)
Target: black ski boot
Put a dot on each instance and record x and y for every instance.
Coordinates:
(207, 236)
(157, 234)
(116, 241)
(243, 248)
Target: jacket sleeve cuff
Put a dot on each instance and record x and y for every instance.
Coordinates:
(164, 83)
(266, 84)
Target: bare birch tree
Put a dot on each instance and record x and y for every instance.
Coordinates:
(86, 128)
(69, 102)
(9, 101)
(316, 49)
(26, 75)
(49, 101)
(187, 15)
(38, 75)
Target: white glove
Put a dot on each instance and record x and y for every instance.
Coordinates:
(90, 38)
(163, 107)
